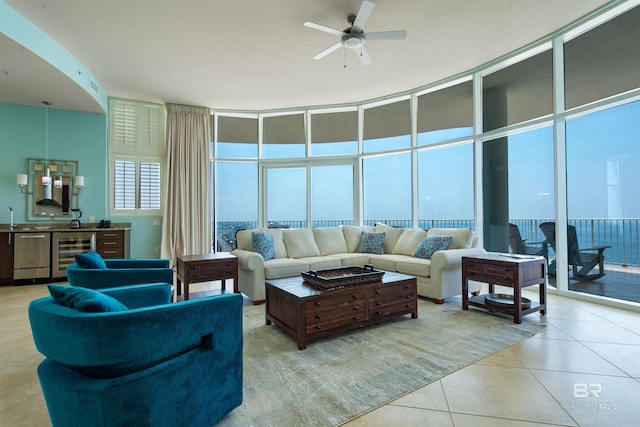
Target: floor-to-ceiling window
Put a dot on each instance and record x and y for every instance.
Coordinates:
(415, 158)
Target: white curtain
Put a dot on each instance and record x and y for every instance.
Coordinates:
(186, 227)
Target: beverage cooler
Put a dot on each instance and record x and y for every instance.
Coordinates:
(65, 246)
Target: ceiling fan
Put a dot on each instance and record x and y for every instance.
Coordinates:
(354, 36)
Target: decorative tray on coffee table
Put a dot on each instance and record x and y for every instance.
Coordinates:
(335, 278)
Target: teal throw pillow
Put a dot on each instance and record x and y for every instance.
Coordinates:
(371, 243)
(92, 260)
(84, 299)
(263, 244)
(430, 245)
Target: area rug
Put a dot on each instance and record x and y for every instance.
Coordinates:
(340, 377)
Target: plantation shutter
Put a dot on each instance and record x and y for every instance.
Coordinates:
(149, 185)
(124, 186)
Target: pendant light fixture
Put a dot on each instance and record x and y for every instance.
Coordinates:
(46, 176)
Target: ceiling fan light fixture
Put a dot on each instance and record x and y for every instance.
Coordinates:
(352, 41)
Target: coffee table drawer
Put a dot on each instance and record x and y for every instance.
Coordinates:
(336, 322)
(330, 303)
(394, 309)
(337, 311)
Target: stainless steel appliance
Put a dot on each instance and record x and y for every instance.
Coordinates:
(31, 256)
(66, 245)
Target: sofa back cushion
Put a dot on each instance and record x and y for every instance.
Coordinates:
(330, 240)
(462, 237)
(409, 241)
(300, 243)
(244, 240)
(353, 234)
(392, 235)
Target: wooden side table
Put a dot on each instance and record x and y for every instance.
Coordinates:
(510, 270)
(206, 268)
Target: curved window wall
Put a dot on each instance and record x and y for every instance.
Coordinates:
(545, 134)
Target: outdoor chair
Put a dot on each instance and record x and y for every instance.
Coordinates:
(583, 261)
(519, 245)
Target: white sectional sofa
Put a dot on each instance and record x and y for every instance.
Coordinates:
(293, 251)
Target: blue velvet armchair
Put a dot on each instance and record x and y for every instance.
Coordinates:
(121, 272)
(154, 364)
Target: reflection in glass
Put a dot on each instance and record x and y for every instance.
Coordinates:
(603, 153)
(518, 186)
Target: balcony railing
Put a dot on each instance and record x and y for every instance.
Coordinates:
(623, 234)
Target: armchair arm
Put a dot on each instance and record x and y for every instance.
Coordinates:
(138, 296)
(136, 263)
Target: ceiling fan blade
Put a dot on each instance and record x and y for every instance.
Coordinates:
(386, 35)
(328, 50)
(363, 16)
(323, 28)
(365, 59)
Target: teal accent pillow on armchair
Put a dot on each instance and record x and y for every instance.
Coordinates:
(92, 260)
(84, 299)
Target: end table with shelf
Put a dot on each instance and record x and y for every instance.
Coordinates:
(513, 271)
(206, 268)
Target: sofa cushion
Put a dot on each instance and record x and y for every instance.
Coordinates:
(385, 262)
(263, 244)
(83, 299)
(330, 240)
(322, 262)
(462, 237)
(91, 260)
(408, 241)
(349, 259)
(353, 234)
(300, 243)
(414, 266)
(371, 243)
(431, 244)
(284, 267)
(392, 236)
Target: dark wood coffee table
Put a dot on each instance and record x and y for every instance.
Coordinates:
(306, 312)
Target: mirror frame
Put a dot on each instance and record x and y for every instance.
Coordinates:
(59, 202)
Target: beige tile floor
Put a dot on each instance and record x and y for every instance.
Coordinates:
(582, 370)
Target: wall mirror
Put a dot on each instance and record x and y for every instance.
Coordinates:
(53, 199)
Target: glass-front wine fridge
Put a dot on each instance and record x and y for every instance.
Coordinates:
(65, 246)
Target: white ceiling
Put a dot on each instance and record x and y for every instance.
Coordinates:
(257, 55)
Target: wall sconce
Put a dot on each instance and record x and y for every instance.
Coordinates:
(23, 181)
(79, 184)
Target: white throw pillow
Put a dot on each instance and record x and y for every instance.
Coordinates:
(409, 241)
(391, 237)
(300, 243)
(330, 240)
(462, 237)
